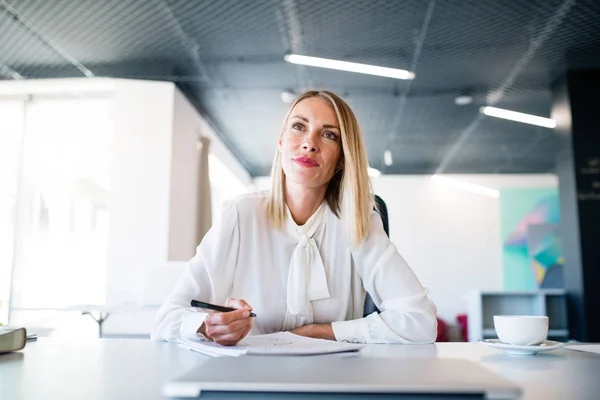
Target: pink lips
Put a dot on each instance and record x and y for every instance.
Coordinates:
(306, 162)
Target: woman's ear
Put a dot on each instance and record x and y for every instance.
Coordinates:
(279, 142)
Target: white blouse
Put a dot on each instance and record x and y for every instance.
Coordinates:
(300, 275)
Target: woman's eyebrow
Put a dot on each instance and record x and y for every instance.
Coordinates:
(300, 117)
(306, 120)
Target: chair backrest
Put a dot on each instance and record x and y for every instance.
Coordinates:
(383, 212)
(381, 208)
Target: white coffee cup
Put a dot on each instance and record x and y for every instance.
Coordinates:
(521, 329)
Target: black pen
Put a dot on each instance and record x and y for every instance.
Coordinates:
(208, 306)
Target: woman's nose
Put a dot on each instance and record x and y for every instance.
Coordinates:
(309, 143)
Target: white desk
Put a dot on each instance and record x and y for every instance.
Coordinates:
(54, 368)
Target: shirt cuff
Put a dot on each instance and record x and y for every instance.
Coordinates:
(354, 331)
(190, 325)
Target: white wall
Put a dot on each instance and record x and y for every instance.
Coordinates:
(139, 188)
(155, 172)
(161, 202)
(450, 237)
(188, 125)
(185, 174)
(157, 217)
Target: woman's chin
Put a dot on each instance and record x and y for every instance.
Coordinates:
(305, 179)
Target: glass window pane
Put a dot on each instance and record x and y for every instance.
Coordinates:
(62, 236)
(224, 185)
(11, 129)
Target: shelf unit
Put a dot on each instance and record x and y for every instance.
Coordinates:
(482, 306)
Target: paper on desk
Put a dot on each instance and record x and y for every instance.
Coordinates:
(280, 343)
(589, 348)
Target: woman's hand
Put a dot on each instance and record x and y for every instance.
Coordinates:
(317, 331)
(228, 328)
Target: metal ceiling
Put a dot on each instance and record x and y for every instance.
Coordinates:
(227, 56)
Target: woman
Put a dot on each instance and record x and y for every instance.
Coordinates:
(302, 255)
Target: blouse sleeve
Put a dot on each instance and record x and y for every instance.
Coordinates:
(407, 315)
(208, 277)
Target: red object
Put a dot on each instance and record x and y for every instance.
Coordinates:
(461, 319)
(442, 331)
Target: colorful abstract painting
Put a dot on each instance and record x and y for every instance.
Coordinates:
(532, 252)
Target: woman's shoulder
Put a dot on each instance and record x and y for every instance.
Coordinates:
(249, 202)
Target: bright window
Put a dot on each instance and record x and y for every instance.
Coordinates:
(11, 133)
(63, 200)
(224, 185)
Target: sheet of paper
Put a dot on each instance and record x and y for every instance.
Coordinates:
(280, 343)
(211, 348)
(589, 348)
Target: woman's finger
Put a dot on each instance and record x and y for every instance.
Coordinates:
(234, 326)
(238, 304)
(224, 318)
(229, 339)
(245, 333)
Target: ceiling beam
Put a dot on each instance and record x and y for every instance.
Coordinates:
(50, 43)
(190, 45)
(8, 72)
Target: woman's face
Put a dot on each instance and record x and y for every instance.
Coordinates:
(310, 143)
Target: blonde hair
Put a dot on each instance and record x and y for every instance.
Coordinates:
(349, 193)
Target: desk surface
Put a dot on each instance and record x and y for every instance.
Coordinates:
(57, 368)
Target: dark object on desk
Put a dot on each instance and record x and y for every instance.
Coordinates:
(442, 331)
(12, 339)
(208, 306)
(32, 337)
(462, 321)
(381, 208)
(342, 377)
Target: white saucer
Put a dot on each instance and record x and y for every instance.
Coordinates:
(546, 345)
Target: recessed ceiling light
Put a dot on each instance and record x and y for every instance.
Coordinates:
(463, 100)
(519, 117)
(349, 66)
(288, 96)
(387, 158)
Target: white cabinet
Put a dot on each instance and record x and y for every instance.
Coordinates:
(482, 306)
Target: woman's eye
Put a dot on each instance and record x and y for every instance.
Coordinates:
(330, 135)
(297, 126)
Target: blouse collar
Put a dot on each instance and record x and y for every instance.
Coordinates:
(307, 280)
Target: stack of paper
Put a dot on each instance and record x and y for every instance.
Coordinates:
(280, 343)
(589, 348)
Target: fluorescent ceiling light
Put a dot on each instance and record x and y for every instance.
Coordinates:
(287, 96)
(519, 117)
(374, 173)
(387, 158)
(349, 66)
(470, 187)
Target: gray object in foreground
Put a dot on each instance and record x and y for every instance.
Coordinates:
(12, 339)
(327, 374)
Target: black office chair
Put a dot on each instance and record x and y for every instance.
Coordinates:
(370, 307)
